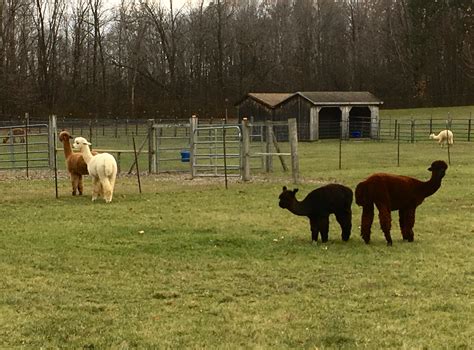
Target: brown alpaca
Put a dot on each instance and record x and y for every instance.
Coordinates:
(395, 192)
(18, 135)
(76, 166)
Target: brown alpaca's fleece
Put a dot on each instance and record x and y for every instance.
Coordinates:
(75, 164)
(395, 192)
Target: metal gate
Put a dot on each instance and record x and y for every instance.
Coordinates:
(216, 151)
(172, 147)
(25, 147)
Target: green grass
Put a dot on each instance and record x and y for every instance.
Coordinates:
(188, 264)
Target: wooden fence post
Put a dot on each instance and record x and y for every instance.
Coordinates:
(245, 150)
(52, 131)
(268, 148)
(151, 146)
(293, 136)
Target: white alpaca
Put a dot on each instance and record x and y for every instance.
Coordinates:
(445, 136)
(102, 167)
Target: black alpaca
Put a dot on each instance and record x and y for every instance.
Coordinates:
(318, 205)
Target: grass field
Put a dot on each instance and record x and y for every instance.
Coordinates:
(188, 264)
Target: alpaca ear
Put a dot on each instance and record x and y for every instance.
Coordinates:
(88, 143)
(295, 190)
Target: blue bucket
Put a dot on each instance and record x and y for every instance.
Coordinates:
(185, 155)
(356, 134)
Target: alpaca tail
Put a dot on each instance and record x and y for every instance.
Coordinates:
(361, 194)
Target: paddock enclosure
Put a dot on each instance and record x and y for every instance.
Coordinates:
(217, 148)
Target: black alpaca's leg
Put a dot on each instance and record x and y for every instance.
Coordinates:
(366, 222)
(314, 229)
(323, 224)
(345, 221)
(385, 218)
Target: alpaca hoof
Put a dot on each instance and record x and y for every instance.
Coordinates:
(389, 243)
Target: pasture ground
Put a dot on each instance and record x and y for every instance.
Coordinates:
(188, 264)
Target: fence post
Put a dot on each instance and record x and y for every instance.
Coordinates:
(268, 145)
(293, 135)
(412, 131)
(396, 129)
(245, 150)
(398, 145)
(52, 130)
(27, 130)
(193, 143)
(469, 129)
(151, 146)
(447, 141)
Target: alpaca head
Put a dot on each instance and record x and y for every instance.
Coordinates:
(64, 135)
(287, 197)
(432, 136)
(80, 142)
(438, 168)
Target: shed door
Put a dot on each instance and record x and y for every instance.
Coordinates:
(359, 122)
(330, 122)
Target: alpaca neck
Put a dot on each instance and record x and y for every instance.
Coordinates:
(432, 185)
(298, 208)
(86, 153)
(67, 148)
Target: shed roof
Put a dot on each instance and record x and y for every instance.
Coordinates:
(339, 97)
(269, 99)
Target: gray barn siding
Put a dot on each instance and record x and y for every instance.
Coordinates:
(254, 111)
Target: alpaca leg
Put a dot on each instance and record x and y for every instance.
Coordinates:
(106, 188)
(409, 223)
(323, 224)
(73, 184)
(96, 188)
(345, 221)
(80, 185)
(402, 213)
(112, 185)
(366, 222)
(314, 229)
(385, 219)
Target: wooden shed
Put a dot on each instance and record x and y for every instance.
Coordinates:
(320, 114)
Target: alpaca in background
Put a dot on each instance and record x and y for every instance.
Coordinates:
(318, 205)
(18, 135)
(395, 192)
(102, 167)
(444, 137)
